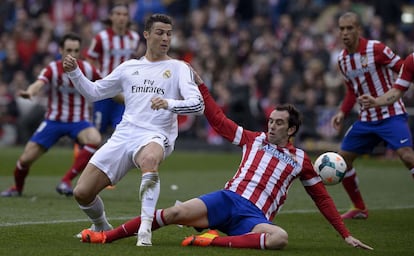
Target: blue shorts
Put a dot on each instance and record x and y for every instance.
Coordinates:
(49, 132)
(362, 137)
(231, 213)
(107, 113)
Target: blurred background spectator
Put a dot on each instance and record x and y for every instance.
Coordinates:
(252, 54)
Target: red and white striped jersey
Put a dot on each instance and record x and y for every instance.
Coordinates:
(371, 71)
(406, 76)
(65, 103)
(111, 49)
(267, 171)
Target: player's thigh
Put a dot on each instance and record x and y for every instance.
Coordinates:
(190, 213)
(90, 135)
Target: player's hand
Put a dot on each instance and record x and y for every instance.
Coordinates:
(356, 243)
(337, 120)
(367, 101)
(159, 103)
(69, 63)
(24, 94)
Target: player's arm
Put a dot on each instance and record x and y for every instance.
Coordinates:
(191, 102)
(346, 107)
(32, 90)
(326, 206)
(107, 87)
(94, 51)
(401, 85)
(388, 98)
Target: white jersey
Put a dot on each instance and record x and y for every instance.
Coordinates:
(140, 81)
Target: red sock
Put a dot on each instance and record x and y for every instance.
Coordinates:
(251, 240)
(20, 173)
(130, 228)
(350, 184)
(80, 163)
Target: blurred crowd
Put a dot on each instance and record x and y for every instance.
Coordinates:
(252, 54)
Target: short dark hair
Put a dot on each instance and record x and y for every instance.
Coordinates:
(358, 20)
(295, 118)
(157, 18)
(117, 4)
(107, 21)
(69, 36)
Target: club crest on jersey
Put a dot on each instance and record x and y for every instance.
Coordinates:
(364, 61)
(389, 53)
(167, 74)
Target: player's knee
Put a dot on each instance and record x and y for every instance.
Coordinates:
(95, 139)
(82, 196)
(172, 214)
(149, 161)
(407, 156)
(277, 240)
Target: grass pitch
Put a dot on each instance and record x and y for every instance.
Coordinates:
(41, 222)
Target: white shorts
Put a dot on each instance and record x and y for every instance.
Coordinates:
(115, 157)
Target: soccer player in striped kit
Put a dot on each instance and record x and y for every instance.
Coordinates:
(109, 48)
(68, 114)
(246, 207)
(156, 89)
(401, 85)
(368, 67)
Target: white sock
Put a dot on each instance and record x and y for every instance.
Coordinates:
(150, 191)
(96, 213)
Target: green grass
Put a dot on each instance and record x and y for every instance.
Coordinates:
(43, 223)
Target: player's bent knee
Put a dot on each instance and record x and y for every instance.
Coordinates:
(172, 215)
(277, 240)
(82, 196)
(407, 156)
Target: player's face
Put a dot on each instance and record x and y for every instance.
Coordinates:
(71, 47)
(159, 38)
(349, 32)
(278, 127)
(120, 17)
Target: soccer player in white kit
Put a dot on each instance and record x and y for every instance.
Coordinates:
(156, 88)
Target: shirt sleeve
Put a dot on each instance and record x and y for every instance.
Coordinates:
(101, 89)
(406, 76)
(349, 100)
(327, 207)
(317, 191)
(192, 102)
(385, 56)
(95, 48)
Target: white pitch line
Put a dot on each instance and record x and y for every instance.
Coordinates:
(13, 224)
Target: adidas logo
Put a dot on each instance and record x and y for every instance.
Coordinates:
(135, 73)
